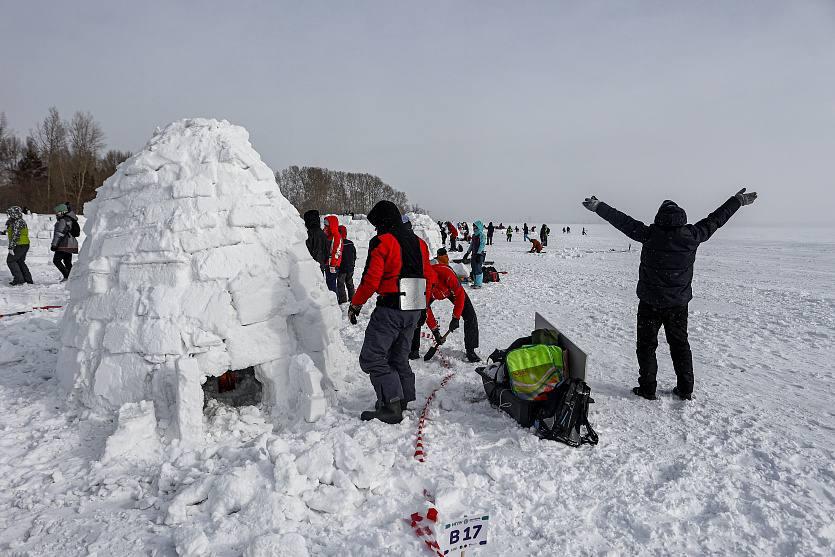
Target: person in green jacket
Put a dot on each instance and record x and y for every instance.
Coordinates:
(509, 233)
(18, 233)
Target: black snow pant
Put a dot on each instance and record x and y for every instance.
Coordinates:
(544, 240)
(17, 265)
(489, 239)
(385, 353)
(63, 261)
(453, 243)
(470, 328)
(344, 287)
(330, 280)
(674, 319)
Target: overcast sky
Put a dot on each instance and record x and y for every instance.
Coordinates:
(499, 111)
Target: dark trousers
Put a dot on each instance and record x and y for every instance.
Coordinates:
(453, 243)
(544, 240)
(330, 280)
(674, 320)
(17, 265)
(470, 328)
(385, 353)
(63, 261)
(344, 287)
(489, 239)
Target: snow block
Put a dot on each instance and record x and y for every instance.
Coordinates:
(194, 265)
(135, 440)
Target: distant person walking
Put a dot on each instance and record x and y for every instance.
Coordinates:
(584, 231)
(665, 282)
(442, 226)
(317, 242)
(64, 242)
(18, 232)
(525, 231)
(509, 233)
(490, 230)
(453, 236)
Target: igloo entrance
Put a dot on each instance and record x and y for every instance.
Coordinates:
(234, 388)
(195, 263)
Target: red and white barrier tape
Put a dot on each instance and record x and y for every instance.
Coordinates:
(423, 529)
(29, 310)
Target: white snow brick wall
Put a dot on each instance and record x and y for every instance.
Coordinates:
(427, 229)
(195, 264)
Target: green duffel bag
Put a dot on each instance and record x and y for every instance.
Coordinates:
(535, 370)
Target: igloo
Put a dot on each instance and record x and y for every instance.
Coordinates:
(195, 264)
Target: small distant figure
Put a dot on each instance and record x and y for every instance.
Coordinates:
(584, 231)
(543, 234)
(517, 230)
(64, 242)
(443, 228)
(490, 230)
(345, 279)
(563, 230)
(568, 230)
(317, 242)
(477, 248)
(509, 233)
(453, 236)
(334, 247)
(536, 245)
(525, 230)
(18, 232)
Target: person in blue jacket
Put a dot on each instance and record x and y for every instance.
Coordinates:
(478, 247)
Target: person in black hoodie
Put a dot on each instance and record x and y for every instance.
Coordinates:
(664, 281)
(345, 279)
(317, 242)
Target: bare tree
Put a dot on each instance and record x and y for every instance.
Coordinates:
(51, 135)
(10, 150)
(86, 140)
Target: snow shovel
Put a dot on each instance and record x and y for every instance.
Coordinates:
(431, 352)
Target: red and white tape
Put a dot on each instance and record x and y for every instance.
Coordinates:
(422, 526)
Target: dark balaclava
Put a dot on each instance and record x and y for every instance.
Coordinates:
(385, 216)
(670, 215)
(311, 219)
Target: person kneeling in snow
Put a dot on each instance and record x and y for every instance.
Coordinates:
(448, 287)
(397, 260)
(536, 246)
(345, 280)
(64, 242)
(664, 282)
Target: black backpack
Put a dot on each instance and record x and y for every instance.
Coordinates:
(562, 416)
(559, 417)
(75, 230)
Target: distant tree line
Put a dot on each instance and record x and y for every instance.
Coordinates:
(60, 160)
(333, 191)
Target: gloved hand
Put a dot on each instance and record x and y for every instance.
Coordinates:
(591, 203)
(746, 198)
(454, 324)
(353, 313)
(437, 334)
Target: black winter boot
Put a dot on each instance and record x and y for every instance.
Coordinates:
(682, 396)
(472, 356)
(640, 393)
(390, 413)
(414, 355)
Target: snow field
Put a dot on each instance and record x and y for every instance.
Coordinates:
(744, 469)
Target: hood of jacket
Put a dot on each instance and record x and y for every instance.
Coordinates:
(479, 227)
(311, 219)
(332, 226)
(14, 212)
(670, 215)
(385, 216)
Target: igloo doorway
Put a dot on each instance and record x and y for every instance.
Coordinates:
(234, 388)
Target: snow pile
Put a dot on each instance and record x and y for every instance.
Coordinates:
(427, 229)
(195, 265)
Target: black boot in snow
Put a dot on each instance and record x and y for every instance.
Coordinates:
(414, 355)
(640, 393)
(472, 357)
(390, 413)
(682, 396)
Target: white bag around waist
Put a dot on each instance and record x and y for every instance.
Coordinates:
(412, 293)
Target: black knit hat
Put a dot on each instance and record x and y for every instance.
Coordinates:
(385, 216)
(441, 251)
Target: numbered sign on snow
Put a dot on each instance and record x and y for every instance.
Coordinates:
(463, 534)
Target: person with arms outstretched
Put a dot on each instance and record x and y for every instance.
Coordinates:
(665, 278)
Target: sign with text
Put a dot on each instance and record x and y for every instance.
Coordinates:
(465, 533)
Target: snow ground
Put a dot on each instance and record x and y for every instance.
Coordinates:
(745, 469)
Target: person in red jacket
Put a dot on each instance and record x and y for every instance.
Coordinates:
(399, 272)
(448, 287)
(453, 236)
(334, 251)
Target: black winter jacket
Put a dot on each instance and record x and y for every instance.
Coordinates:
(669, 249)
(349, 257)
(317, 242)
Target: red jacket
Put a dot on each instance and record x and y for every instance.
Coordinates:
(334, 241)
(383, 268)
(453, 232)
(446, 286)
